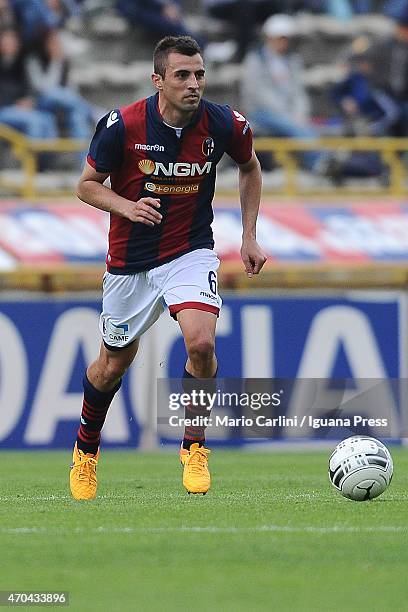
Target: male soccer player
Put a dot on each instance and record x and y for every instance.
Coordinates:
(161, 155)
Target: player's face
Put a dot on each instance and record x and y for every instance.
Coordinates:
(279, 44)
(184, 81)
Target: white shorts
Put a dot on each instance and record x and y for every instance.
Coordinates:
(133, 302)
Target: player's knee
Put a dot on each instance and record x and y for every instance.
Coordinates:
(201, 350)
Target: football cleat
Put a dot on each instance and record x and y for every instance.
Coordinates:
(184, 453)
(196, 476)
(82, 477)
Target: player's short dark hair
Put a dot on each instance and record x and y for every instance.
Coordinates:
(184, 45)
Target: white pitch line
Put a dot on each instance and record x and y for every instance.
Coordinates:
(341, 529)
(41, 498)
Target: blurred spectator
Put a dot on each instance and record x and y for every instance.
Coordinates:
(273, 95)
(394, 8)
(366, 111)
(390, 58)
(161, 17)
(7, 19)
(244, 15)
(339, 9)
(47, 71)
(17, 105)
(36, 18)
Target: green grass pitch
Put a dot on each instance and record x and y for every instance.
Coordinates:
(270, 535)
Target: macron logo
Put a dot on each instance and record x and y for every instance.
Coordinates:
(113, 118)
(238, 116)
(148, 147)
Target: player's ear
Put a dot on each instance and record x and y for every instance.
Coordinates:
(157, 80)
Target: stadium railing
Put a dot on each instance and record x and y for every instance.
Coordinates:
(26, 150)
(391, 151)
(284, 151)
(68, 277)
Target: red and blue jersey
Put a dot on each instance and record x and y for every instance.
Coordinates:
(145, 157)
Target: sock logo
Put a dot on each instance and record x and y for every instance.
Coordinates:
(83, 421)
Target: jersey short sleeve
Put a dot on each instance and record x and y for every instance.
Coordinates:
(106, 150)
(240, 148)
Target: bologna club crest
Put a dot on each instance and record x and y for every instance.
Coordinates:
(208, 146)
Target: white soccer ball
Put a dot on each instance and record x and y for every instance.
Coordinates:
(360, 468)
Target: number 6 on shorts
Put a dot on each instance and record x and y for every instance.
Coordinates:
(212, 281)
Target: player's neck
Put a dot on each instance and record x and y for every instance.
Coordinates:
(173, 116)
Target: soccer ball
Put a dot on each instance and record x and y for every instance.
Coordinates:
(360, 468)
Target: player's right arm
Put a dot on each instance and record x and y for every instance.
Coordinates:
(92, 191)
(105, 156)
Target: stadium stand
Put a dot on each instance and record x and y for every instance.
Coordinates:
(110, 61)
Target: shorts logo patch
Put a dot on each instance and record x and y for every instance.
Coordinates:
(118, 333)
(208, 295)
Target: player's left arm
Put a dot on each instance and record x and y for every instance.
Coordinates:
(250, 184)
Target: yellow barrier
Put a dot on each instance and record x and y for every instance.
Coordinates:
(64, 277)
(26, 150)
(284, 150)
(390, 150)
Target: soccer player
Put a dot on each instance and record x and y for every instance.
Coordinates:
(161, 155)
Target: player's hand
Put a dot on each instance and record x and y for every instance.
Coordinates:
(27, 103)
(252, 256)
(145, 211)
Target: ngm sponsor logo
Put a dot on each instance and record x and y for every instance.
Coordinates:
(149, 167)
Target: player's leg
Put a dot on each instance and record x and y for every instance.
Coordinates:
(130, 307)
(198, 329)
(101, 382)
(191, 294)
